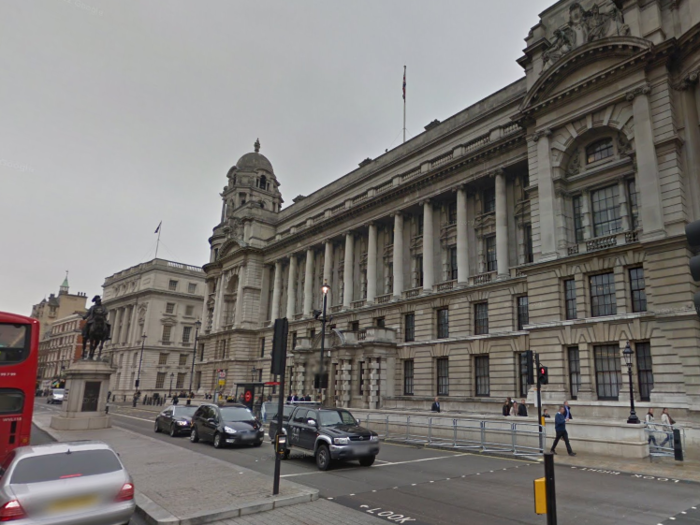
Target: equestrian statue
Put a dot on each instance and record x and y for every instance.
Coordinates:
(96, 330)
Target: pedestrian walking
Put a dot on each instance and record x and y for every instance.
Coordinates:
(560, 427)
(436, 406)
(522, 408)
(568, 411)
(545, 413)
(307, 397)
(667, 420)
(506, 407)
(176, 399)
(649, 422)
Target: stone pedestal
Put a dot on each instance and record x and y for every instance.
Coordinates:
(85, 401)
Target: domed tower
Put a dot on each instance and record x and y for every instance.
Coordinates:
(251, 199)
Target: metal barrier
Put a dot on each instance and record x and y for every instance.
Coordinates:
(506, 437)
(661, 440)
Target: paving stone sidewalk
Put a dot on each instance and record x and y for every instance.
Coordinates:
(176, 485)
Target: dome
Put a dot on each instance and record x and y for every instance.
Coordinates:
(254, 161)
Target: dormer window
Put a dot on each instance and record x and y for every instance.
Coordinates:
(599, 150)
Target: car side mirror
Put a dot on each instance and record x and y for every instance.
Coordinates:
(312, 422)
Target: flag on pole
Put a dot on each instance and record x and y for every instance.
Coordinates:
(158, 228)
(404, 82)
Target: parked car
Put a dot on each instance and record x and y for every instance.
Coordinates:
(227, 425)
(176, 420)
(75, 483)
(56, 396)
(329, 434)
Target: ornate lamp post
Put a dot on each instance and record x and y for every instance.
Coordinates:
(325, 289)
(197, 326)
(138, 375)
(627, 354)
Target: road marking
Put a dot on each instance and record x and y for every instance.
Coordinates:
(388, 464)
(389, 515)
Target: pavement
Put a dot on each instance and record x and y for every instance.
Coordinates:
(425, 486)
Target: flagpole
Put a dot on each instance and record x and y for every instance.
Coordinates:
(404, 103)
(158, 241)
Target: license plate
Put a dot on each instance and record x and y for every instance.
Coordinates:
(248, 437)
(73, 503)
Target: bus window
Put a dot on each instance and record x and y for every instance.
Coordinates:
(14, 343)
(11, 401)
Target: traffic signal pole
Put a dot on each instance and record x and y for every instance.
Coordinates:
(539, 404)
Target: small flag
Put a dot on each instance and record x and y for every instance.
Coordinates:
(158, 228)
(404, 82)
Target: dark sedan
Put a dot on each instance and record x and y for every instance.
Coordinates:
(175, 420)
(228, 425)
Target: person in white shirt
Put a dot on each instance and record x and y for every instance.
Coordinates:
(666, 419)
(649, 420)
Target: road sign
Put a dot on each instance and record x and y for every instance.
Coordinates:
(222, 374)
(248, 396)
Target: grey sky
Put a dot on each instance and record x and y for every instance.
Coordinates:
(117, 115)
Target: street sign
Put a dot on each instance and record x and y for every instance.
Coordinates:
(248, 396)
(222, 374)
(222, 382)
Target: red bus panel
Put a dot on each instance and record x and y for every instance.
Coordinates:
(19, 358)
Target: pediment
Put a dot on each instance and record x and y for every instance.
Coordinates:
(585, 66)
(230, 246)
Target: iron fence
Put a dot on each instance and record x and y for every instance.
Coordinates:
(661, 440)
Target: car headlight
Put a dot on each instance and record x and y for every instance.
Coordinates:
(183, 423)
(341, 441)
(229, 430)
(374, 438)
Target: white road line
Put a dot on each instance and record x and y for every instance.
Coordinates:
(389, 464)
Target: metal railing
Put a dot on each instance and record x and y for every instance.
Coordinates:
(504, 437)
(662, 440)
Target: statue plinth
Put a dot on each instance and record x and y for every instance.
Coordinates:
(85, 401)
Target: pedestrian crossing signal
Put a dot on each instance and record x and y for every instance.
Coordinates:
(542, 375)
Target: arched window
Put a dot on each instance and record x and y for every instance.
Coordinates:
(599, 150)
(262, 182)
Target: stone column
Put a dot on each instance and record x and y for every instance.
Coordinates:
(586, 217)
(501, 225)
(398, 255)
(372, 263)
(276, 291)
(428, 262)
(309, 283)
(462, 257)
(624, 205)
(292, 287)
(238, 319)
(328, 265)
(349, 269)
(692, 150)
(650, 208)
(545, 191)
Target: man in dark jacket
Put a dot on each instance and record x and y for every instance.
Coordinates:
(567, 411)
(522, 409)
(560, 427)
(436, 406)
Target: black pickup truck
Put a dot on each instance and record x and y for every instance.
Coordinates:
(328, 434)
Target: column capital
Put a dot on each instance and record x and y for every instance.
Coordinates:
(423, 202)
(459, 187)
(542, 133)
(398, 213)
(689, 81)
(644, 89)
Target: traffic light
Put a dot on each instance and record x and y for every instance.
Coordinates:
(530, 367)
(542, 375)
(692, 234)
(279, 346)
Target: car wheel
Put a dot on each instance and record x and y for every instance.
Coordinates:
(367, 461)
(257, 443)
(156, 427)
(323, 457)
(173, 431)
(193, 435)
(217, 441)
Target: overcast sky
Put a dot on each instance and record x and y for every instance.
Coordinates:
(117, 115)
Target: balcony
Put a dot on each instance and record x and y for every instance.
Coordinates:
(482, 278)
(447, 285)
(603, 243)
(337, 308)
(358, 304)
(414, 292)
(370, 335)
(383, 299)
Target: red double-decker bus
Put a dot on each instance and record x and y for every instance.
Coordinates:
(19, 358)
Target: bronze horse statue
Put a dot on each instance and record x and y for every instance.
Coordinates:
(96, 330)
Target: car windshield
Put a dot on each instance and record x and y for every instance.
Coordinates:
(53, 467)
(337, 417)
(184, 411)
(236, 414)
(59, 391)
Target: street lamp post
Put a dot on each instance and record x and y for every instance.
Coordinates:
(627, 354)
(170, 390)
(138, 375)
(197, 326)
(325, 289)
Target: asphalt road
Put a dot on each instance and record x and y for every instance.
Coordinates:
(437, 487)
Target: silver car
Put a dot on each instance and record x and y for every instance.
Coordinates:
(78, 483)
(56, 396)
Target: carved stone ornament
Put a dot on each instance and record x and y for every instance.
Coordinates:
(539, 134)
(642, 90)
(583, 27)
(236, 228)
(624, 147)
(574, 167)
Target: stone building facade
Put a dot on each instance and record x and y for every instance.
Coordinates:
(56, 307)
(62, 346)
(548, 217)
(153, 308)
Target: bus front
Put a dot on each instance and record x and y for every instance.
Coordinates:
(19, 356)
